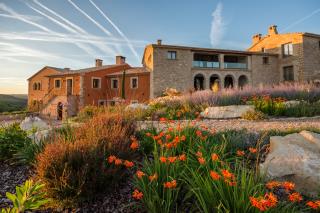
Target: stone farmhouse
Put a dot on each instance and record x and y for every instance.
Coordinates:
(271, 59)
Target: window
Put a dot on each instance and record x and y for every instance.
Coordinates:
(287, 49)
(34, 86)
(319, 45)
(114, 83)
(134, 101)
(265, 60)
(172, 55)
(96, 83)
(288, 74)
(263, 50)
(39, 86)
(134, 82)
(102, 102)
(57, 83)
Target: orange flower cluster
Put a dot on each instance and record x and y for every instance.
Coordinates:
(240, 153)
(288, 186)
(314, 204)
(201, 159)
(153, 177)
(135, 144)
(137, 195)
(173, 159)
(252, 150)
(295, 197)
(170, 184)
(214, 175)
(117, 161)
(200, 135)
(264, 203)
(140, 174)
(229, 178)
(214, 157)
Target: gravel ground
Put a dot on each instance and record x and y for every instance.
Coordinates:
(281, 124)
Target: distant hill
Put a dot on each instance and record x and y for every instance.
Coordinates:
(10, 103)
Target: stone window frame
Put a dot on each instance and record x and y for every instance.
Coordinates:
(92, 84)
(68, 78)
(170, 55)
(131, 85)
(60, 84)
(286, 74)
(114, 79)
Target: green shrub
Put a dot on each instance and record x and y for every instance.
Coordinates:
(12, 139)
(29, 196)
(253, 115)
(77, 170)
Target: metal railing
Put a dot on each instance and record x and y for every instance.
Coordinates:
(205, 64)
(231, 65)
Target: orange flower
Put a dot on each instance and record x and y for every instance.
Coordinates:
(111, 158)
(163, 159)
(128, 164)
(172, 159)
(253, 150)
(240, 153)
(214, 175)
(264, 203)
(273, 184)
(314, 204)
(159, 142)
(295, 197)
(153, 177)
(168, 136)
(118, 161)
(183, 138)
(198, 133)
(148, 134)
(140, 174)
(170, 129)
(134, 145)
(214, 157)
(202, 160)
(137, 195)
(226, 174)
(163, 119)
(170, 184)
(289, 186)
(199, 154)
(182, 157)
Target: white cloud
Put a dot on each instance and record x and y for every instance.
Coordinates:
(217, 26)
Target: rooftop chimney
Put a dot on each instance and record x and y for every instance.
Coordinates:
(159, 41)
(120, 59)
(98, 62)
(272, 30)
(256, 38)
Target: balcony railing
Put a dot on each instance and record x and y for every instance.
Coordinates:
(206, 64)
(230, 65)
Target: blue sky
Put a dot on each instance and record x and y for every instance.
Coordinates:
(72, 33)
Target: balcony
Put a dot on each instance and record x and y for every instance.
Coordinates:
(231, 65)
(205, 64)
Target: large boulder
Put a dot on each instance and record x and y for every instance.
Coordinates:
(295, 157)
(223, 112)
(137, 106)
(33, 124)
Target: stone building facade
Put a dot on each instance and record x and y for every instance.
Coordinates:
(271, 59)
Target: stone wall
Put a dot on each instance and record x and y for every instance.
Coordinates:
(171, 73)
(264, 74)
(311, 58)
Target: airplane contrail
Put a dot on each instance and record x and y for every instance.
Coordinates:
(117, 29)
(81, 46)
(102, 47)
(93, 21)
(302, 19)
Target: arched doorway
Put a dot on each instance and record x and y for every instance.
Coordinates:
(243, 81)
(59, 111)
(214, 81)
(228, 81)
(198, 82)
